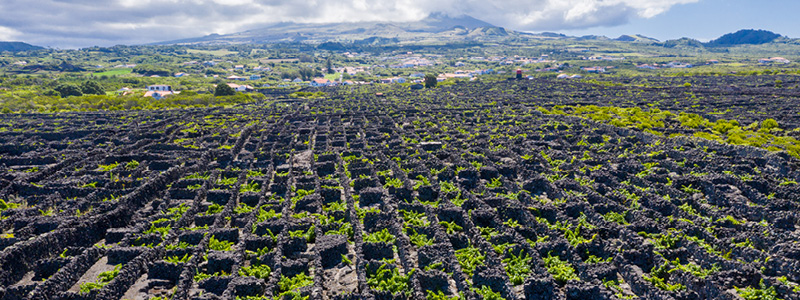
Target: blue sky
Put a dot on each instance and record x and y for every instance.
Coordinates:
(85, 23)
(710, 19)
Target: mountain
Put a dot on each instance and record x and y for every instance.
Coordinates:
(683, 42)
(745, 37)
(17, 47)
(436, 27)
(638, 38)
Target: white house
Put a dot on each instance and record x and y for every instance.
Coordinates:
(241, 88)
(181, 74)
(393, 80)
(255, 77)
(158, 92)
(779, 60)
(594, 69)
(159, 88)
(234, 77)
(318, 82)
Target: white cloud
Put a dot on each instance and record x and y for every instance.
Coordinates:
(8, 34)
(109, 22)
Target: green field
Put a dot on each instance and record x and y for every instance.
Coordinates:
(221, 52)
(115, 72)
(332, 77)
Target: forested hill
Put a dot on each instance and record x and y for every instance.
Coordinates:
(17, 46)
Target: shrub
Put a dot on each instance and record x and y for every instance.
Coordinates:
(561, 270)
(224, 90)
(769, 124)
(380, 236)
(389, 279)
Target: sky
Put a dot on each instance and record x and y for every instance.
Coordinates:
(84, 23)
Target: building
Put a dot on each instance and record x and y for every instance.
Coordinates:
(241, 88)
(779, 60)
(255, 77)
(594, 69)
(158, 92)
(181, 74)
(393, 80)
(319, 82)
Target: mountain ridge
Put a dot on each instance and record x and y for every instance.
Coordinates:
(440, 28)
(745, 37)
(434, 26)
(17, 47)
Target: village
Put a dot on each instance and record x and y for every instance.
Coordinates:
(200, 71)
(411, 68)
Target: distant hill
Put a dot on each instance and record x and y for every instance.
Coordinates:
(745, 37)
(17, 46)
(683, 42)
(636, 38)
(435, 27)
(592, 38)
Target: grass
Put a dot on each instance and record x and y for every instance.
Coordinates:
(221, 52)
(114, 72)
(332, 77)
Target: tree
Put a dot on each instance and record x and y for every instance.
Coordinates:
(150, 70)
(306, 58)
(92, 88)
(431, 81)
(306, 73)
(224, 90)
(67, 90)
(329, 65)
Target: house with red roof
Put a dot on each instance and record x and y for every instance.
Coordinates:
(319, 82)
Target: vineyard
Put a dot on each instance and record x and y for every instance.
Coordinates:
(651, 188)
